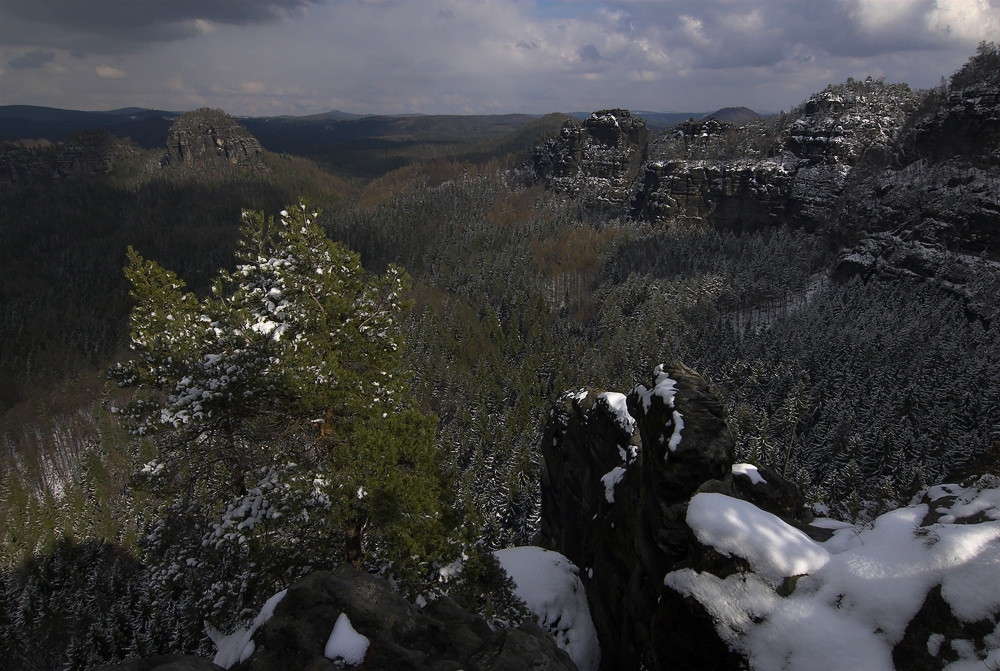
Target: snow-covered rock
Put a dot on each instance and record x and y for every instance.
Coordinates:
(860, 593)
(550, 586)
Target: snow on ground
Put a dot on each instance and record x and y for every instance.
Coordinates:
(861, 588)
(550, 586)
(238, 646)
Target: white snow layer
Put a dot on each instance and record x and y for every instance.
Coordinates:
(664, 386)
(862, 588)
(619, 407)
(345, 643)
(239, 645)
(774, 550)
(751, 472)
(610, 479)
(549, 584)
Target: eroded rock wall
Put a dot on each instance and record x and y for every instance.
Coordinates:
(626, 527)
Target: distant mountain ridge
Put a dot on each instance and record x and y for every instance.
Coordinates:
(146, 127)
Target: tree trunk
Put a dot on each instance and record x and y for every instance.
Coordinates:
(353, 536)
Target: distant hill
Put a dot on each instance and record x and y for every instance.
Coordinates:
(354, 146)
(332, 114)
(147, 127)
(735, 115)
(369, 146)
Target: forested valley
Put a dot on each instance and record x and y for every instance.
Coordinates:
(861, 386)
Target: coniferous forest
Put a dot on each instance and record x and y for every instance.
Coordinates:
(856, 352)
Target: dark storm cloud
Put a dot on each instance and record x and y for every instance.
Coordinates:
(116, 25)
(37, 58)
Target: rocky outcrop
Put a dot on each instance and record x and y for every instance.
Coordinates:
(942, 189)
(162, 663)
(793, 172)
(596, 161)
(854, 159)
(440, 637)
(207, 135)
(295, 629)
(734, 194)
(627, 529)
(83, 154)
(693, 562)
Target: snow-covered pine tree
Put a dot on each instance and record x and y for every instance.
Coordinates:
(280, 406)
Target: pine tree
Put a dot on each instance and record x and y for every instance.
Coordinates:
(280, 404)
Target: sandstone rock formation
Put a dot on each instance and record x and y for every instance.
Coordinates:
(854, 159)
(626, 529)
(207, 135)
(85, 153)
(440, 637)
(692, 563)
(596, 161)
(942, 187)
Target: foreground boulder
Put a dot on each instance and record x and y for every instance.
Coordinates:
(399, 635)
(348, 619)
(162, 663)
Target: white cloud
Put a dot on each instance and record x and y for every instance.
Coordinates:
(966, 20)
(878, 15)
(203, 27)
(108, 72)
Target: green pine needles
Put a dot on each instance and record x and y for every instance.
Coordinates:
(280, 407)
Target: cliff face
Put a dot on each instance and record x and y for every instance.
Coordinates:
(857, 159)
(596, 161)
(207, 135)
(82, 154)
(789, 170)
(942, 189)
(619, 475)
(849, 157)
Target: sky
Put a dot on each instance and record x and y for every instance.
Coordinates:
(272, 57)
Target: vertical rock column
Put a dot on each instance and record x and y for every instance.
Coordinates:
(626, 529)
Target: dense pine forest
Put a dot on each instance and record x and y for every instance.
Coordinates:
(863, 379)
